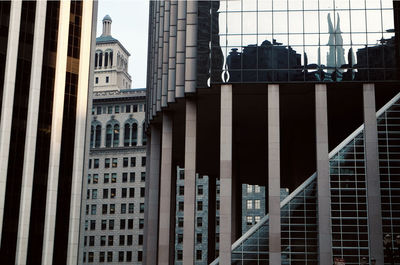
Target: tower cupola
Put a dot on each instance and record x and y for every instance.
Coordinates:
(107, 26)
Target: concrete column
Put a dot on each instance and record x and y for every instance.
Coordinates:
(31, 130)
(155, 60)
(164, 81)
(56, 133)
(323, 180)
(172, 50)
(190, 182)
(180, 49)
(152, 184)
(160, 56)
(372, 175)
(8, 99)
(226, 176)
(79, 171)
(274, 176)
(165, 191)
(191, 47)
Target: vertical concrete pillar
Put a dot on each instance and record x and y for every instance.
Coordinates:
(180, 49)
(30, 139)
(172, 50)
(165, 191)
(323, 180)
(372, 175)
(190, 181)
(191, 47)
(160, 56)
(8, 99)
(226, 176)
(165, 60)
(152, 186)
(274, 176)
(56, 134)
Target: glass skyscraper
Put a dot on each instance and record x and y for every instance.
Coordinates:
(298, 96)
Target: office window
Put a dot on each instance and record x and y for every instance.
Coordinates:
(93, 209)
(143, 176)
(249, 204)
(111, 224)
(129, 240)
(123, 193)
(85, 240)
(103, 224)
(133, 161)
(141, 207)
(181, 191)
(113, 177)
(90, 163)
(98, 110)
(131, 192)
(129, 256)
(94, 194)
(249, 220)
(110, 240)
(249, 188)
(122, 224)
(113, 193)
(199, 238)
(92, 224)
(122, 240)
(127, 108)
(217, 204)
(116, 108)
(140, 240)
(115, 162)
(97, 80)
(124, 177)
(132, 177)
(140, 107)
(142, 192)
(123, 208)
(102, 240)
(91, 257)
(91, 241)
(257, 219)
(179, 254)
(87, 209)
(95, 163)
(120, 256)
(107, 163)
(180, 221)
(135, 108)
(199, 206)
(143, 161)
(141, 223)
(106, 178)
(112, 208)
(125, 162)
(110, 109)
(95, 178)
(257, 204)
(199, 222)
(217, 220)
(140, 256)
(131, 208)
(130, 223)
(257, 189)
(88, 194)
(89, 177)
(109, 256)
(105, 193)
(104, 208)
(107, 79)
(180, 238)
(198, 254)
(180, 206)
(102, 256)
(200, 190)
(218, 189)
(86, 225)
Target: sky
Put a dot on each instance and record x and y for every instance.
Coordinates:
(129, 26)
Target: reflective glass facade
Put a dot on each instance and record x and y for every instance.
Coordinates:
(349, 204)
(297, 41)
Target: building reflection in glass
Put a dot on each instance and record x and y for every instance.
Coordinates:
(261, 41)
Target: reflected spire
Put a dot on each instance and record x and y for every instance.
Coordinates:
(335, 57)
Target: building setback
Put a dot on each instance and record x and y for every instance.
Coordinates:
(112, 220)
(44, 83)
(300, 97)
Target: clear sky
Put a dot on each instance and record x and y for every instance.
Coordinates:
(129, 26)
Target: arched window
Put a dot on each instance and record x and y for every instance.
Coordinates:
(109, 133)
(111, 58)
(144, 136)
(91, 136)
(127, 134)
(105, 59)
(116, 135)
(96, 60)
(98, 136)
(100, 59)
(134, 134)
